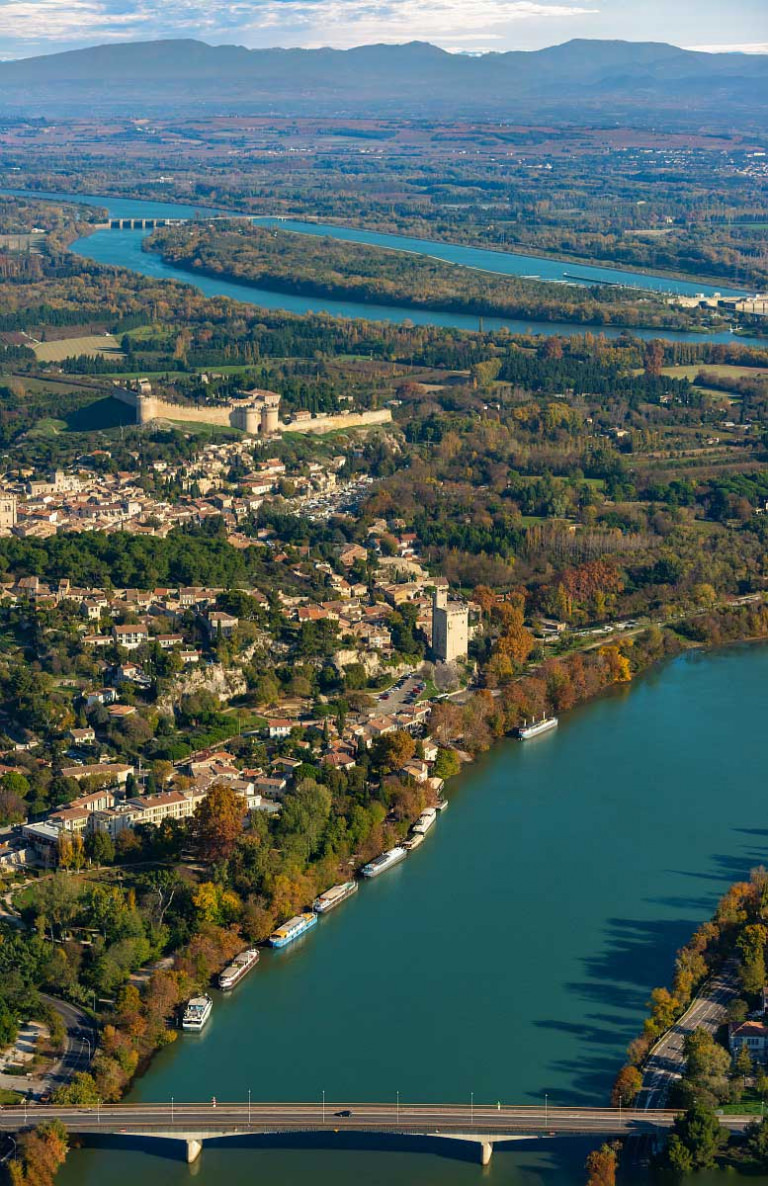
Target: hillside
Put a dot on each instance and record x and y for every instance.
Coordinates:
(579, 81)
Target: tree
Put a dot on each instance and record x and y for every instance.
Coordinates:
(100, 848)
(602, 1164)
(627, 1085)
(707, 1063)
(80, 1090)
(695, 1140)
(219, 823)
(751, 943)
(41, 1151)
(448, 763)
(393, 750)
(757, 1142)
(304, 818)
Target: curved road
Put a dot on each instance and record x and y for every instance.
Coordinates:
(666, 1062)
(80, 1043)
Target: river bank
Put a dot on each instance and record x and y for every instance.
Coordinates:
(520, 947)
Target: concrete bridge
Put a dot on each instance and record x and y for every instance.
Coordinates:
(140, 223)
(480, 1125)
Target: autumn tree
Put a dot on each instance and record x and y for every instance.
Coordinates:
(627, 1085)
(393, 750)
(40, 1153)
(219, 823)
(602, 1164)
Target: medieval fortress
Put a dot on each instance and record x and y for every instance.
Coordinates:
(255, 412)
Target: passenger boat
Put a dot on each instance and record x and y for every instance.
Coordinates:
(381, 863)
(526, 732)
(196, 1014)
(292, 929)
(413, 842)
(441, 804)
(425, 821)
(234, 972)
(334, 897)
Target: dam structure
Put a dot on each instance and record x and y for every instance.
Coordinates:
(255, 412)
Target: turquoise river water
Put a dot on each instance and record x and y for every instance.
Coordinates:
(510, 957)
(124, 248)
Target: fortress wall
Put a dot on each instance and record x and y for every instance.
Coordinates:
(163, 410)
(334, 423)
(149, 407)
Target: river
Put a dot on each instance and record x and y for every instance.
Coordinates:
(123, 249)
(511, 956)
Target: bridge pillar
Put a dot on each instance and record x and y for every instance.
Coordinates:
(486, 1152)
(195, 1148)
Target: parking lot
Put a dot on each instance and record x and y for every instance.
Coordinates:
(405, 692)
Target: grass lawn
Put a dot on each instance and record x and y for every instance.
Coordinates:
(104, 345)
(722, 370)
(751, 1104)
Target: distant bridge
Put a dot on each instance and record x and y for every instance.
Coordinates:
(140, 223)
(480, 1125)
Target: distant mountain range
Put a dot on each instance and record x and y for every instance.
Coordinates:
(606, 82)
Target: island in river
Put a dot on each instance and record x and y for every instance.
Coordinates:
(296, 263)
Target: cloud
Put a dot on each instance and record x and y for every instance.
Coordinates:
(444, 22)
(343, 23)
(750, 47)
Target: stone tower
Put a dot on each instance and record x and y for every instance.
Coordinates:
(450, 627)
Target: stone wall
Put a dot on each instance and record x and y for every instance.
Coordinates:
(149, 407)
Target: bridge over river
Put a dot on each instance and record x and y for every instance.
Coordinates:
(478, 1124)
(138, 222)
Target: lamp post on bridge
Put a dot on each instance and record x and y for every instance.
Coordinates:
(249, 1107)
(171, 1109)
(471, 1107)
(397, 1107)
(323, 1107)
(546, 1110)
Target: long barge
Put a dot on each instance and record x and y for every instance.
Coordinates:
(291, 930)
(334, 897)
(381, 863)
(240, 966)
(536, 728)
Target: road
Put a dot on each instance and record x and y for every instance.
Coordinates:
(79, 1043)
(666, 1061)
(204, 1119)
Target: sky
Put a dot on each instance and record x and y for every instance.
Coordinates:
(30, 27)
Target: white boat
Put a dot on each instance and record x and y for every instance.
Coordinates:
(381, 863)
(413, 842)
(235, 971)
(526, 731)
(425, 821)
(441, 804)
(196, 1014)
(334, 897)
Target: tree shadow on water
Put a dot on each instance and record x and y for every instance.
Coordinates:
(637, 954)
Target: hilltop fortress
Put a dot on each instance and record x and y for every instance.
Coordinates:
(256, 412)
